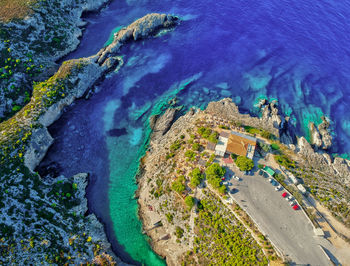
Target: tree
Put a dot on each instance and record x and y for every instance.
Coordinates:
(189, 200)
(214, 173)
(196, 177)
(178, 186)
(244, 163)
(215, 170)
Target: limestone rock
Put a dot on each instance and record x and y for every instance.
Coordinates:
(161, 124)
(146, 26)
(315, 135)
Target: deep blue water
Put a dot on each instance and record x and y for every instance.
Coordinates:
(295, 51)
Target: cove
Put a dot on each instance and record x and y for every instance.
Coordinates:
(295, 52)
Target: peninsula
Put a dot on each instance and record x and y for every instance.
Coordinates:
(217, 186)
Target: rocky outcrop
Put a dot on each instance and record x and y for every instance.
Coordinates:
(161, 124)
(315, 135)
(323, 128)
(271, 120)
(320, 136)
(144, 27)
(323, 161)
(39, 143)
(270, 114)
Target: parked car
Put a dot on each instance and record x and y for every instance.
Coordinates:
(292, 203)
(277, 188)
(270, 180)
(290, 197)
(296, 207)
(236, 177)
(284, 194)
(233, 191)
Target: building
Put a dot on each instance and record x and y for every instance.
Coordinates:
(220, 148)
(235, 143)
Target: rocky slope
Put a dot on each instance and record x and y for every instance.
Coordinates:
(30, 47)
(52, 212)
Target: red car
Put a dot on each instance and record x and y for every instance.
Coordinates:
(284, 194)
(296, 207)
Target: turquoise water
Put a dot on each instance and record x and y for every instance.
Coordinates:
(294, 51)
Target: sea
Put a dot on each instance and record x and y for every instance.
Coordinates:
(295, 52)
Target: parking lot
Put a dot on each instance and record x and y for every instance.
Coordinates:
(287, 228)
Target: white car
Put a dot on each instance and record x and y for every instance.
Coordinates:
(270, 180)
(290, 198)
(277, 188)
(291, 203)
(236, 177)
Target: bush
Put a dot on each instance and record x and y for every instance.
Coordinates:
(275, 147)
(244, 163)
(213, 137)
(284, 161)
(196, 147)
(189, 200)
(191, 155)
(175, 146)
(178, 186)
(179, 232)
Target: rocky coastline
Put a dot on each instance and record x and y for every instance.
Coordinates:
(77, 77)
(154, 166)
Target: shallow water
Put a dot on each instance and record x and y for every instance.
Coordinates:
(296, 52)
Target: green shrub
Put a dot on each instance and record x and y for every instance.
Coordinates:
(275, 146)
(179, 232)
(190, 201)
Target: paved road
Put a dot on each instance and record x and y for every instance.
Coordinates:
(288, 229)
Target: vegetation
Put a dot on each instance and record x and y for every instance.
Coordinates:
(191, 155)
(256, 131)
(208, 134)
(178, 185)
(214, 173)
(244, 163)
(190, 201)
(284, 160)
(222, 239)
(196, 177)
